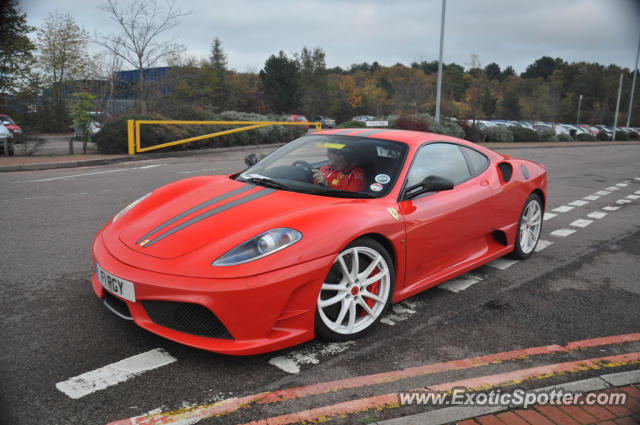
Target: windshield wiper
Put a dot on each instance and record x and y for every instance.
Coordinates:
(264, 181)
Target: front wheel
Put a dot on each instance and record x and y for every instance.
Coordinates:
(529, 228)
(356, 292)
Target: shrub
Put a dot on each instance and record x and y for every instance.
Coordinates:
(523, 134)
(622, 135)
(602, 136)
(472, 132)
(445, 126)
(352, 124)
(586, 137)
(498, 134)
(564, 137)
(412, 123)
(547, 135)
(634, 135)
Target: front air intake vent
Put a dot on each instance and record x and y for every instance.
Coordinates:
(194, 319)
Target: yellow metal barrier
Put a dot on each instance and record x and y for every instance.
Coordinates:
(133, 131)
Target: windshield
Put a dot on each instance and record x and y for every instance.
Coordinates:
(331, 165)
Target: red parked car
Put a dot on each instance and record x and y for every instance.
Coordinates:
(10, 124)
(266, 259)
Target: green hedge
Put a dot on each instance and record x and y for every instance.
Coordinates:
(586, 137)
(547, 135)
(564, 137)
(602, 136)
(622, 135)
(523, 134)
(113, 136)
(498, 134)
(352, 124)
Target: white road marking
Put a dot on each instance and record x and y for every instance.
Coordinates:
(562, 209)
(114, 373)
(542, 244)
(291, 362)
(637, 178)
(197, 171)
(581, 223)
(548, 216)
(578, 203)
(602, 192)
(591, 197)
(400, 312)
(461, 283)
(622, 185)
(88, 174)
(634, 197)
(612, 188)
(597, 214)
(502, 263)
(637, 192)
(623, 201)
(608, 208)
(562, 233)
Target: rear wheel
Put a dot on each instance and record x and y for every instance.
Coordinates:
(529, 228)
(356, 291)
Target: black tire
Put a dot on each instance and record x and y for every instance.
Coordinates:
(328, 324)
(522, 251)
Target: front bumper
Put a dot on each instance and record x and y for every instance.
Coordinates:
(261, 313)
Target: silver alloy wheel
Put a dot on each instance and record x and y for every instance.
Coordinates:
(359, 294)
(530, 226)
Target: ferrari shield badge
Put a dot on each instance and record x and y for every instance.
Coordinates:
(393, 213)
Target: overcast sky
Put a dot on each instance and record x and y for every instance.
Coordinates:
(508, 32)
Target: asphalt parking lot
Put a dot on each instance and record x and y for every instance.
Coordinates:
(575, 302)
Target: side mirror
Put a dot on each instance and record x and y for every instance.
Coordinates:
(429, 184)
(251, 159)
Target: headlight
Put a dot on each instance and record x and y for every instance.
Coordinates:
(262, 245)
(128, 207)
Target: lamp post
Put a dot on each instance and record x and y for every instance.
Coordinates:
(439, 89)
(579, 103)
(615, 118)
(633, 85)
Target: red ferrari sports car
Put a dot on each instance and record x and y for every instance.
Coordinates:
(273, 256)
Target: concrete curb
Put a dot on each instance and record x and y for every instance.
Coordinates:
(453, 414)
(127, 158)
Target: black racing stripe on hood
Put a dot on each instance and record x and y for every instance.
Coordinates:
(196, 208)
(228, 205)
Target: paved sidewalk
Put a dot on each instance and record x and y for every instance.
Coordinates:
(627, 414)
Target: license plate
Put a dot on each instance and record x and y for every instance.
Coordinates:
(115, 285)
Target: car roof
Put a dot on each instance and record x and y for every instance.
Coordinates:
(412, 138)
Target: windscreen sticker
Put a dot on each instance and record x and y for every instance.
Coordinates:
(321, 145)
(383, 178)
(376, 187)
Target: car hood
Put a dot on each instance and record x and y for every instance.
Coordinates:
(190, 214)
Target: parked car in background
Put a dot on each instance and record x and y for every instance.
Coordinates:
(10, 125)
(363, 118)
(6, 136)
(297, 118)
(326, 121)
(589, 128)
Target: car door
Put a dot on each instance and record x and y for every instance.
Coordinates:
(446, 228)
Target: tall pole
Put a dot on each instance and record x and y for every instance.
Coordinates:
(633, 84)
(579, 102)
(615, 118)
(439, 90)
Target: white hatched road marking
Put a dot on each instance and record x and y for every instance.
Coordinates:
(401, 312)
(502, 263)
(597, 214)
(562, 233)
(114, 373)
(622, 185)
(623, 201)
(578, 203)
(637, 192)
(609, 208)
(542, 244)
(89, 174)
(562, 209)
(548, 216)
(602, 192)
(591, 197)
(581, 223)
(292, 361)
(612, 188)
(634, 197)
(460, 283)
(637, 178)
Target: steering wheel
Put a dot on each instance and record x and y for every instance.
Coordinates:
(308, 168)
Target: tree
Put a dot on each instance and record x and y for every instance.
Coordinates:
(492, 71)
(81, 118)
(62, 57)
(218, 61)
(313, 81)
(15, 48)
(280, 77)
(141, 23)
(544, 67)
(511, 106)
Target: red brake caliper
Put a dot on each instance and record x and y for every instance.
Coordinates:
(373, 288)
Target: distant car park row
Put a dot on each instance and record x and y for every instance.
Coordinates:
(572, 130)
